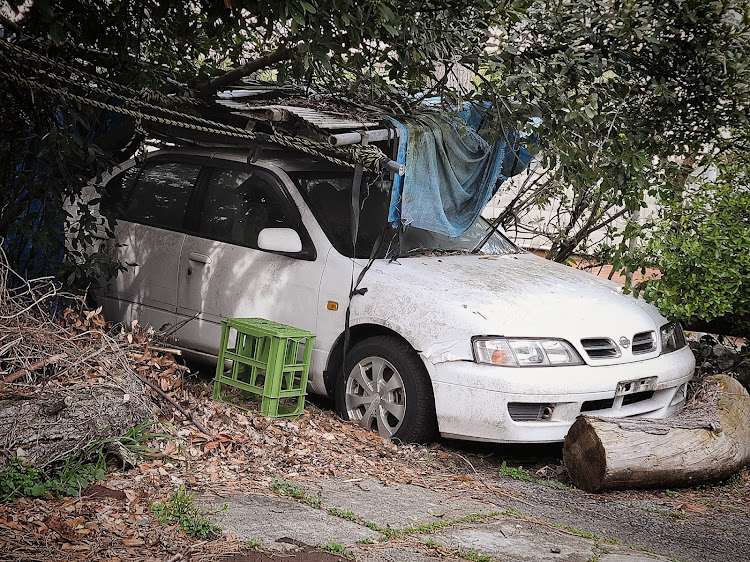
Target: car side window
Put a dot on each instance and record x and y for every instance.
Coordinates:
(238, 205)
(118, 190)
(160, 196)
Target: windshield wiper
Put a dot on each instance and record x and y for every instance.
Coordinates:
(422, 250)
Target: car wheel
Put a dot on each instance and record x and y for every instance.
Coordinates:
(384, 387)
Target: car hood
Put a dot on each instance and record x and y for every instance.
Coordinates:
(443, 300)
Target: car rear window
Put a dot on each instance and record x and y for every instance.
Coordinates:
(156, 194)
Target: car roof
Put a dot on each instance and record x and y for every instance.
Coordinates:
(287, 160)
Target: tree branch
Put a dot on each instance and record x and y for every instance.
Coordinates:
(209, 88)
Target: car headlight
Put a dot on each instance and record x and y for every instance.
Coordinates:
(524, 352)
(672, 337)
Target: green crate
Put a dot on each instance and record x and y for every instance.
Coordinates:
(267, 359)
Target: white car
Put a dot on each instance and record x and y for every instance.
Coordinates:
(496, 345)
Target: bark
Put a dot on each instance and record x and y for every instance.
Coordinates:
(707, 442)
(58, 423)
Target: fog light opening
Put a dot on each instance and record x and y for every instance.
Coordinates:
(546, 412)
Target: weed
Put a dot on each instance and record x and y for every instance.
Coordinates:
(673, 514)
(579, 532)
(518, 473)
(513, 512)
(336, 548)
(181, 509)
(343, 514)
(253, 543)
(641, 548)
(18, 479)
(365, 541)
(288, 488)
(313, 501)
(436, 525)
(432, 544)
(351, 516)
(474, 556)
(671, 493)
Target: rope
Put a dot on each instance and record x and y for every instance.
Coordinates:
(146, 93)
(370, 157)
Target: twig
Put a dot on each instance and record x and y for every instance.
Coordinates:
(33, 367)
(181, 555)
(496, 491)
(184, 412)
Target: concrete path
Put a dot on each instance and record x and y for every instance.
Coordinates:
(406, 523)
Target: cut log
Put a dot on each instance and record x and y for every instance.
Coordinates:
(58, 422)
(706, 442)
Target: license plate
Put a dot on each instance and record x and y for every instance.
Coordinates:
(637, 385)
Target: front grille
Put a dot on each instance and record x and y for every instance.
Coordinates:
(600, 348)
(528, 411)
(607, 403)
(643, 342)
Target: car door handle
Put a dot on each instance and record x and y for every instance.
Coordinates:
(200, 258)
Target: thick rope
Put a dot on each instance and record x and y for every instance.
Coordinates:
(145, 93)
(370, 157)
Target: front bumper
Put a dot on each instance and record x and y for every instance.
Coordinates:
(538, 405)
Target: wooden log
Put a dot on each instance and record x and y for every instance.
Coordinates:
(708, 441)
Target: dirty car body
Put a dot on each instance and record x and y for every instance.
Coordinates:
(497, 345)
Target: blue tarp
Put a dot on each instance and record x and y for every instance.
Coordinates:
(451, 171)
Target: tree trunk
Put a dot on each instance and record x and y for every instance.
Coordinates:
(706, 442)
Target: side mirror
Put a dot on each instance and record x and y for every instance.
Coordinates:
(280, 240)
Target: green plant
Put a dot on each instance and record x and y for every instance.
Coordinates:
(336, 548)
(343, 514)
(365, 541)
(287, 488)
(436, 525)
(519, 473)
(668, 513)
(78, 471)
(474, 556)
(253, 543)
(180, 509)
(18, 479)
(513, 512)
(579, 532)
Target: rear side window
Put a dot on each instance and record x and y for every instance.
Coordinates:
(117, 193)
(160, 196)
(238, 205)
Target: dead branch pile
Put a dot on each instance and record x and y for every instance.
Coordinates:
(64, 381)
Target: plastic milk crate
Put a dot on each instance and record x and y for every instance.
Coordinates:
(269, 360)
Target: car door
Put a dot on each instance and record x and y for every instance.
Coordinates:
(150, 202)
(222, 272)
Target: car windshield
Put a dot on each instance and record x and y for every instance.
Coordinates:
(329, 196)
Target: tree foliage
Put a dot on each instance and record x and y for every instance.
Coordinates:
(700, 246)
(626, 89)
(631, 93)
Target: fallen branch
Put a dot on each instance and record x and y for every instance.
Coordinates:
(182, 410)
(12, 377)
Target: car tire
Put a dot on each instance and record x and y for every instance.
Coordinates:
(385, 388)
